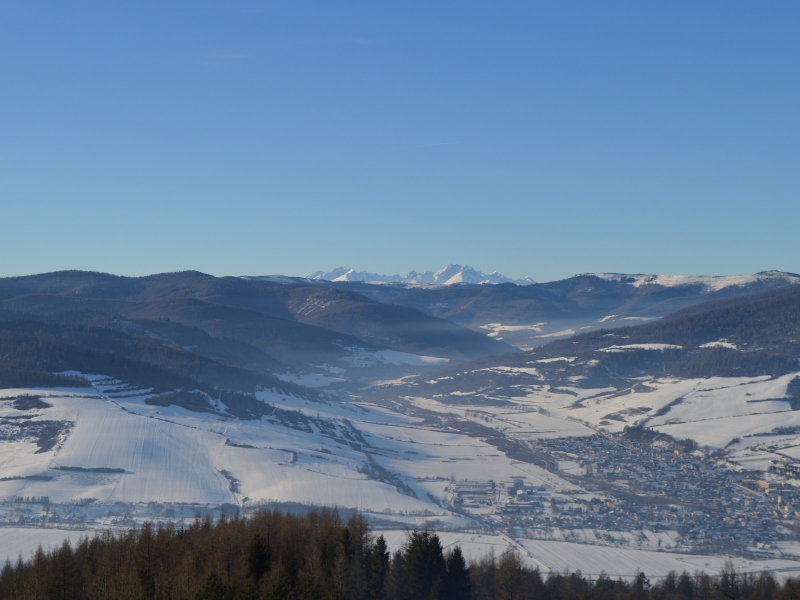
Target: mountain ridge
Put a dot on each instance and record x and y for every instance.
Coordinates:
(448, 275)
(710, 283)
(747, 336)
(259, 327)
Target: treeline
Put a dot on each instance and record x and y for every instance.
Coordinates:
(320, 556)
(38, 346)
(685, 363)
(768, 319)
(35, 352)
(602, 369)
(765, 327)
(22, 376)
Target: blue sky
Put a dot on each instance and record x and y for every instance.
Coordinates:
(537, 138)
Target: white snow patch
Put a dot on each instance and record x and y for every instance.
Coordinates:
(312, 380)
(557, 359)
(720, 344)
(498, 327)
(563, 333)
(23, 541)
(626, 347)
(395, 357)
(640, 318)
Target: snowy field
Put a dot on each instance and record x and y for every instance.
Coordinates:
(23, 541)
(107, 448)
(740, 408)
(592, 560)
(117, 448)
(623, 562)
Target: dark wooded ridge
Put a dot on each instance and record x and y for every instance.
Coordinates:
(320, 556)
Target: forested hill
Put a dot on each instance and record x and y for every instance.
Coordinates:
(292, 322)
(191, 331)
(39, 353)
(580, 297)
(319, 556)
(758, 322)
(753, 335)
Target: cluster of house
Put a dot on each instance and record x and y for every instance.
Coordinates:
(638, 486)
(474, 494)
(784, 496)
(524, 498)
(785, 468)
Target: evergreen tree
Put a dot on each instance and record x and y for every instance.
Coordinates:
(213, 589)
(685, 586)
(425, 564)
(456, 584)
(378, 569)
(258, 557)
(395, 585)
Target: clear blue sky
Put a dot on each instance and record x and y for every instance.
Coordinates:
(537, 138)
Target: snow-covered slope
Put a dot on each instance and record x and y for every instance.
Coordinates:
(114, 447)
(448, 275)
(117, 459)
(709, 283)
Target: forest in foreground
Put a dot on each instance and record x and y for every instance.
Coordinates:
(321, 556)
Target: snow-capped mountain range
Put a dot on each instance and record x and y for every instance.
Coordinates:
(449, 275)
(455, 273)
(711, 283)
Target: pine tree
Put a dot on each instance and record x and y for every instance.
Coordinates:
(378, 569)
(395, 584)
(456, 583)
(258, 557)
(213, 589)
(425, 564)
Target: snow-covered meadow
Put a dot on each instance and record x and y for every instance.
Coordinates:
(615, 561)
(114, 450)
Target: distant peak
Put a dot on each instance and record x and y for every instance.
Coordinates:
(449, 275)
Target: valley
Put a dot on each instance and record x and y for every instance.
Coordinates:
(620, 449)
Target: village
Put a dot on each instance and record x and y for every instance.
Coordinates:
(641, 494)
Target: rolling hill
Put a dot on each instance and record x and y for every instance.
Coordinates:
(533, 315)
(227, 332)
